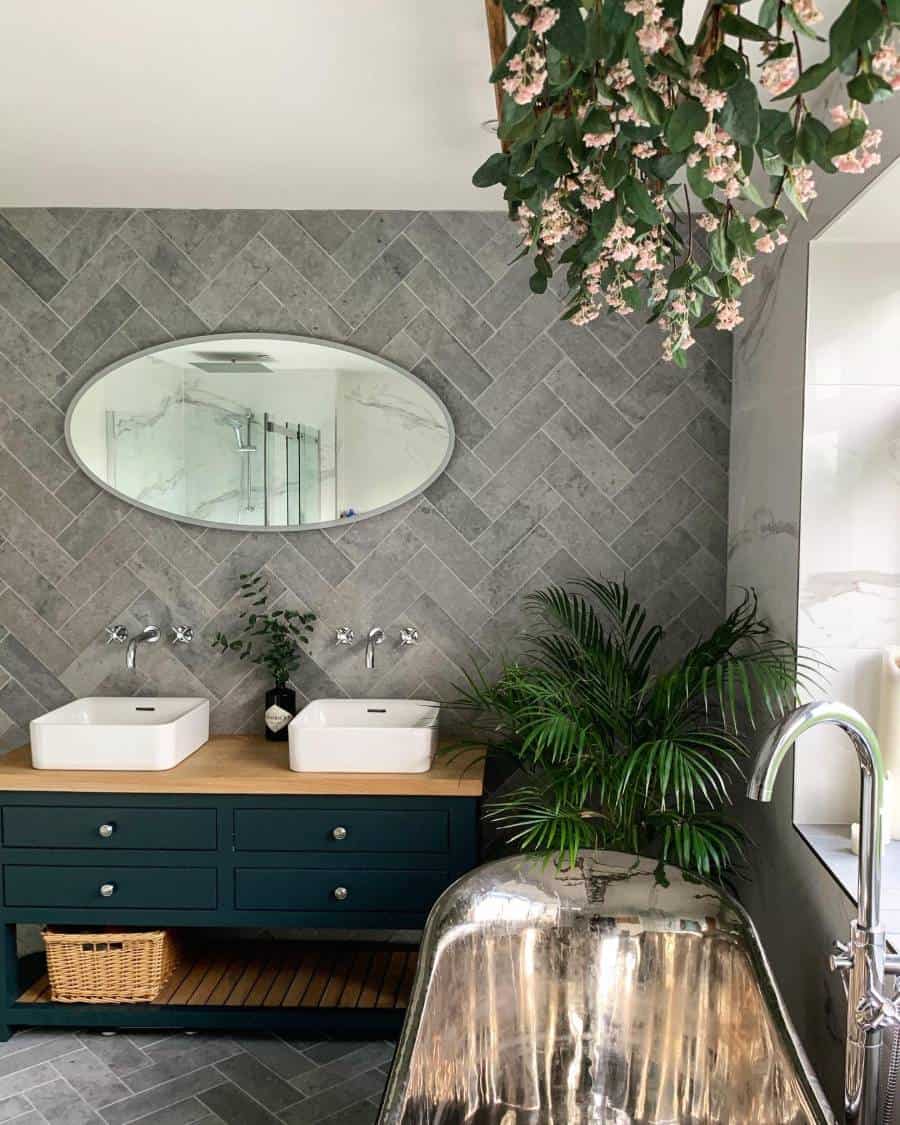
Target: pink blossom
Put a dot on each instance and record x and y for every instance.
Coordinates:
(804, 183)
(779, 76)
(652, 38)
(711, 100)
(886, 64)
(765, 244)
(598, 140)
(544, 20)
(586, 313)
(707, 222)
(860, 159)
(807, 11)
(727, 315)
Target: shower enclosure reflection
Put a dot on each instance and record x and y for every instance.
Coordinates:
(256, 431)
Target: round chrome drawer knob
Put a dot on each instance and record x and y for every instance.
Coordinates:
(107, 890)
(339, 833)
(340, 893)
(106, 830)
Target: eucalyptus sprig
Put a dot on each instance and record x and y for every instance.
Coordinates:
(270, 638)
(611, 122)
(617, 755)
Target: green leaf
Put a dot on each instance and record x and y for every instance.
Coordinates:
(768, 12)
(664, 167)
(493, 171)
(733, 24)
(597, 121)
(812, 140)
(638, 199)
(568, 33)
(689, 117)
(740, 115)
(846, 138)
(699, 184)
(811, 78)
(724, 68)
(856, 24)
(554, 160)
(869, 88)
(615, 169)
(771, 218)
(537, 282)
(516, 44)
(718, 249)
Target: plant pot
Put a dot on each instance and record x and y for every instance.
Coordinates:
(281, 706)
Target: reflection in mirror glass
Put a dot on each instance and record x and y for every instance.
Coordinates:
(260, 431)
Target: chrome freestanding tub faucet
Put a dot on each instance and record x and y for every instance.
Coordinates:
(862, 962)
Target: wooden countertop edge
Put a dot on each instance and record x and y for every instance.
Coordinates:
(247, 765)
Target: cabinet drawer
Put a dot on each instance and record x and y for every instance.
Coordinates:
(340, 829)
(133, 888)
(282, 888)
(78, 826)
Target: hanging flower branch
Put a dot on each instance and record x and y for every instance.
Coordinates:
(619, 138)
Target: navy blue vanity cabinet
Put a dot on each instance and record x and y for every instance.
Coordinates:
(229, 841)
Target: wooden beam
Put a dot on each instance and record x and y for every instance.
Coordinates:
(496, 25)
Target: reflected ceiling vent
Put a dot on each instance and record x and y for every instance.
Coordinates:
(234, 362)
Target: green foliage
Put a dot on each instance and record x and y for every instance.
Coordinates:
(270, 638)
(617, 754)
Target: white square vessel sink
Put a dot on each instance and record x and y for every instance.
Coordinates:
(364, 736)
(119, 734)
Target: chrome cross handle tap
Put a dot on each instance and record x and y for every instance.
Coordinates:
(409, 635)
(182, 634)
(344, 635)
(116, 634)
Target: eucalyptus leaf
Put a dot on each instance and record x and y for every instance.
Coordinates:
(493, 171)
(856, 24)
(734, 24)
(638, 199)
(740, 115)
(568, 34)
(810, 79)
(688, 118)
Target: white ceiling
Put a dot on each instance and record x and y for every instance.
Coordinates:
(244, 103)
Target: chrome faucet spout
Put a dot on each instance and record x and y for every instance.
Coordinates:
(375, 637)
(150, 635)
(862, 961)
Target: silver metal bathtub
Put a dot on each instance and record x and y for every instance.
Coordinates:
(595, 996)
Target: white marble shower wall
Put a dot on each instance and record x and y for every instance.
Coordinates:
(849, 593)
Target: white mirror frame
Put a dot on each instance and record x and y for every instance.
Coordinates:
(260, 336)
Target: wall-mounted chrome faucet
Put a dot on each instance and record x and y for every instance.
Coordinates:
(344, 635)
(118, 634)
(375, 637)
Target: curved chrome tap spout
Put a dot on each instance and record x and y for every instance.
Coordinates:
(149, 636)
(862, 962)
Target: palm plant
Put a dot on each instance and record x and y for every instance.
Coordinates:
(617, 755)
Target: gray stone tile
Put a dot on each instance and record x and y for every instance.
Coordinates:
(329, 560)
(58, 1101)
(187, 228)
(101, 516)
(659, 474)
(335, 1101)
(22, 303)
(36, 545)
(590, 356)
(375, 571)
(161, 1097)
(234, 1107)
(28, 262)
(455, 506)
(326, 227)
(38, 456)
(370, 238)
(38, 225)
(31, 360)
(32, 496)
(711, 435)
(444, 252)
(449, 305)
(597, 462)
(144, 330)
(162, 302)
(93, 1081)
(274, 1053)
(228, 237)
(99, 564)
(709, 529)
(179, 1055)
(374, 284)
(34, 589)
(586, 403)
(604, 516)
(172, 541)
(94, 328)
(532, 317)
(18, 649)
(162, 255)
(21, 707)
(259, 1082)
(713, 388)
(299, 298)
(658, 520)
(471, 229)
(642, 351)
(393, 314)
(188, 605)
(520, 470)
(451, 594)
(710, 480)
(531, 508)
(522, 422)
(306, 256)
(444, 633)
(449, 355)
(451, 547)
(467, 469)
(651, 391)
(93, 229)
(664, 560)
(229, 288)
(517, 568)
(534, 364)
(658, 429)
(583, 543)
(509, 291)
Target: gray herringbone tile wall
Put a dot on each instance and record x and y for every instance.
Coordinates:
(578, 452)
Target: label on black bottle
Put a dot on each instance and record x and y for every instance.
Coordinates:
(277, 718)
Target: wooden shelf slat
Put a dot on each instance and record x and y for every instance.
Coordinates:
(280, 974)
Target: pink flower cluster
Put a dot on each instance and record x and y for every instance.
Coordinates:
(655, 31)
(717, 147)
(864, 156)
(528, 68)
(807, 12)
(778, 76)
(886, 64)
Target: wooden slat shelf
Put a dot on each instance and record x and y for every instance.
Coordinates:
(280, 975)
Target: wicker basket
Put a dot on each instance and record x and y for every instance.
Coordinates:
(108, 968)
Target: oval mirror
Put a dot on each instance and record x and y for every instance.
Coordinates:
(258, 431)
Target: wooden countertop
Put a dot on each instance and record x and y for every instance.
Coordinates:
(236, 764)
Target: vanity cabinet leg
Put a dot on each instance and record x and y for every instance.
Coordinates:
(9, 974)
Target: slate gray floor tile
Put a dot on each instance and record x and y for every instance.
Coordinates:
(116, 1052)
(650, 391)
(161, 1097)
(60, 1102)
(93, 1081)
(601, 513)
(517, 568)
(259, 1082)
(335, 1100)
(286, 1060)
